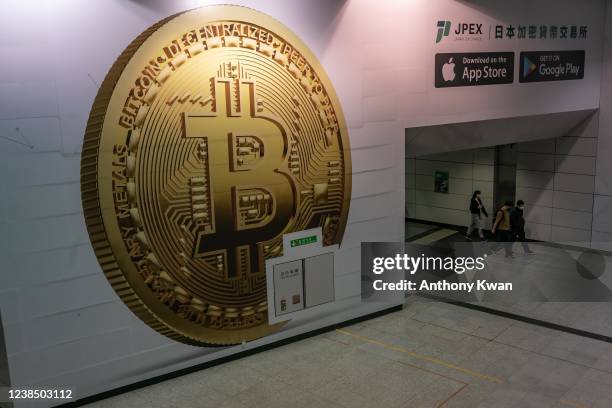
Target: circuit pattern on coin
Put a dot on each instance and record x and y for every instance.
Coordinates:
(215, 133)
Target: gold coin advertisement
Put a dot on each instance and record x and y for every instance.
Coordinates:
(214, 133)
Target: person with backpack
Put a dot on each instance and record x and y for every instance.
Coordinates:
(477, 210)
(503, 225)
(517, 225)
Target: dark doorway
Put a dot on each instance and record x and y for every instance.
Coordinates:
(504, 187)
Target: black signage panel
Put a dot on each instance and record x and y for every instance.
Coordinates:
(543, 66)
(474, 68)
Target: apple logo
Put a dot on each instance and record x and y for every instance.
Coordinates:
(448, 70)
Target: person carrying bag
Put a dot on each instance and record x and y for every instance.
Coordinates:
(503, 225)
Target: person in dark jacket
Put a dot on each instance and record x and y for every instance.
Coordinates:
(477, 210)
(517, 224)
(502, 226)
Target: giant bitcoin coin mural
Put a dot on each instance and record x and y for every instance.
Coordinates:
(215, 132)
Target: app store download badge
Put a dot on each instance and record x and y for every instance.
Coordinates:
(545, 66)
(473, 69)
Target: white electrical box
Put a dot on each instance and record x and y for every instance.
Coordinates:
(319, 279)
(300, 283)
(288, 287)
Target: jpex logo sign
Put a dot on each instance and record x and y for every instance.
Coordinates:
(509, 31)
(443, 30)
(464, 31)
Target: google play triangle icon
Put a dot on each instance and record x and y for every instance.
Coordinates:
(528, 67)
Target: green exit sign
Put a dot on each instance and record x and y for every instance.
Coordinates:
(303, 241)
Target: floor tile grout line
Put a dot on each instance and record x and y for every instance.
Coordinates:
(456, 331)
(423, 357)
(450, 397)
(335, 341)
(494, 340)
(574, 404)
(463, 383)
(406, 364)
(554, 358)
(519, 318)
(432, 372)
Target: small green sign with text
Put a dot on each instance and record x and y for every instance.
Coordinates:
(303, 241)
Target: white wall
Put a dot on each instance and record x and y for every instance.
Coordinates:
(555, 178)
(469, 170)
(63, 322)
(567, 181)
(464, 104)
(602, 207)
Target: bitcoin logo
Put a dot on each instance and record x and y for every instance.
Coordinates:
(215, 133)
(236, 141)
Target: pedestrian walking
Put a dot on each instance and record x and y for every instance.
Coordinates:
(502, 226)
(477, 210)
(517, 224)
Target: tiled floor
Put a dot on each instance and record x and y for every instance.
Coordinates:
(594, 317)
(428, 355)
(414, 229)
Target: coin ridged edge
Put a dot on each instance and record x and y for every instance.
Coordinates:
(90, 198)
